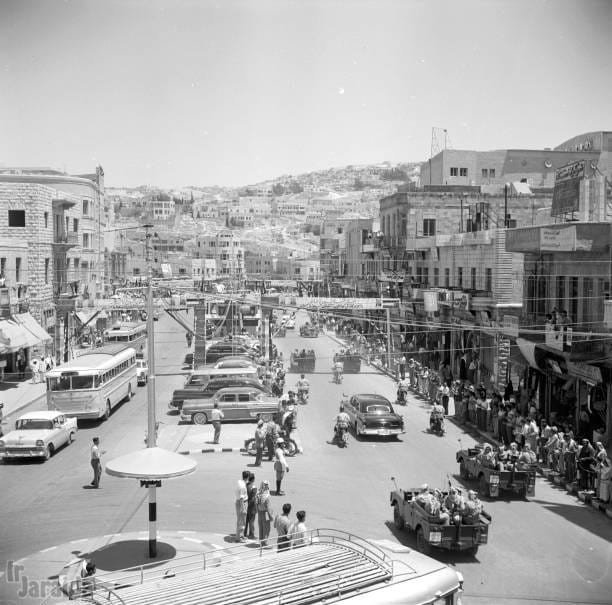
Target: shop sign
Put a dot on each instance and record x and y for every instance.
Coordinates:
(510, 326)
(558, 239)
(455, 299)
(430, 301)
(566, 192)
(584, 371)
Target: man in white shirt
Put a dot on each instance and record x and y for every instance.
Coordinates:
(96, 462)
(216, 415)
(241, 500)
(298, 530)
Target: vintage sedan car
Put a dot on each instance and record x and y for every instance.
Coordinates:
(236, 403)
(373, 414)
(38, 435)
(142, 372)
(234, 362)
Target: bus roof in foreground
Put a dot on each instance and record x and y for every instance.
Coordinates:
(332, 566)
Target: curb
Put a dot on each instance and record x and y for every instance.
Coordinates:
(212, 450)
(25, 404)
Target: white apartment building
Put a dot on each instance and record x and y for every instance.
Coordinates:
(226, 249)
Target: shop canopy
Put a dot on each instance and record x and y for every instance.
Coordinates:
(21, 332)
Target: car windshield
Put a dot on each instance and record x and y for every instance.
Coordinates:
(378, 409)
(34, 424)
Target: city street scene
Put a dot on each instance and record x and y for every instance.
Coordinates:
(305, 302)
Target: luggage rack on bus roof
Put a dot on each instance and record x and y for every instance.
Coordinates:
(331, 565)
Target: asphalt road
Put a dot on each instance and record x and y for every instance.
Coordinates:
(550, 549)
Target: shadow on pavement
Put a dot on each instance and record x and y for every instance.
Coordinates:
(582, 515)
(129, 553)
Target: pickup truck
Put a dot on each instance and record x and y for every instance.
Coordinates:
(430, 533)
(38, 435)
(492, 481)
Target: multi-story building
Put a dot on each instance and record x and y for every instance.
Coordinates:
(260, 265)
(161, 210)
(226, 249)
(563, 331)
(203, 270)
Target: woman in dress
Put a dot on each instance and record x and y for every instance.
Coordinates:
(265, 514)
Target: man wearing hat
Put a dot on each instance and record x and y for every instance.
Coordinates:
(260, 441)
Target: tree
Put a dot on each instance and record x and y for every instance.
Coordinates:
(278, 189)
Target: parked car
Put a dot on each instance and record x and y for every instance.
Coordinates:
(290, 324)
(218, 350)
(234, 362)
(207, 391)
(236, 403)
(38, 435)
(373, 414)
(142, 372)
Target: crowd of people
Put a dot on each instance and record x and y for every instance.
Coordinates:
(452, 507)
(253, 503)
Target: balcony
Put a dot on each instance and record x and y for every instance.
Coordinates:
(66, 239)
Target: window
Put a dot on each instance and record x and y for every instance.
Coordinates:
(491, 173)
(447, 278)
(485, 173)
(16, 218)
(462, 171)
(460, 277)
(85, 240)
(46, 270)
(454, 171)
(17, 269)
(473, 278)
(489, 279)
(85, 208)
(587, 300)
(243, 397)
(436, 277)
(3, 267)
(75, 224)
(561, 291)
(429, 226)
(426, 276)
(46, 220)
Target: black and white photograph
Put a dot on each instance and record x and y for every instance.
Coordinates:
(305, 302)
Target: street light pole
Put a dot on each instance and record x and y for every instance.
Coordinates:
(151, 417)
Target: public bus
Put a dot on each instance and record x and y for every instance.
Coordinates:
(128, 333)
(90, 386)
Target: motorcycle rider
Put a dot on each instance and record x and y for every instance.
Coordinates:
(303, 387)
(402, 390)
(436, 418)
(342, 423)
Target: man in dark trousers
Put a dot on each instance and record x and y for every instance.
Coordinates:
(96, 462)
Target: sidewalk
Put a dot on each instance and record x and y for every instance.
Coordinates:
(111, 553)
(16, 395)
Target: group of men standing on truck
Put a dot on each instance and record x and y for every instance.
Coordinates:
(452, 507)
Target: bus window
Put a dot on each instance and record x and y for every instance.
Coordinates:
(82, 382)
(97, 381)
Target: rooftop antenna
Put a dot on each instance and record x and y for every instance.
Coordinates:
(439, 141)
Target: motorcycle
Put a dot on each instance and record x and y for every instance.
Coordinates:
(287, 444)
(436, 425)
(340, 435)
(402, 396)
(303, 396)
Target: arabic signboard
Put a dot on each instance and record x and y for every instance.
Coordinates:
(558, 239)
(566, 193)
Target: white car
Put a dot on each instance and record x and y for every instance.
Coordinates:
(142, 372)
(290, 324)
(38, 435)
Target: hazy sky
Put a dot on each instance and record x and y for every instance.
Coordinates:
(181, 92)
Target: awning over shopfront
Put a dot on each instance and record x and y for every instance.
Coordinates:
(527, 349)
(21, 332)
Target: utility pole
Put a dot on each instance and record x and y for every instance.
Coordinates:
(388, 310)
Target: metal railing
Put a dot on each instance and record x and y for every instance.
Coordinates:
(110, 582)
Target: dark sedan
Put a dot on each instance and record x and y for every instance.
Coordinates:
(373, 414)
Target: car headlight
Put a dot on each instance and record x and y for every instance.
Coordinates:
(40, 443)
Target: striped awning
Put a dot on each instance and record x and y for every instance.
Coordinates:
(22, 331)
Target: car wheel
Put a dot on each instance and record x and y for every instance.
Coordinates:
(292, 448)
(49, 451)
(398, 520)
(70, 437)
(146, 380)
(423, 546)
(472, 550)
(249, 446)
(200, 418)
(108, 410)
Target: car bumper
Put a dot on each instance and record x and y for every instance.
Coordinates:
(177, 407)
(141, 379)
(186, 417)
(30, 452)
(381, 432)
